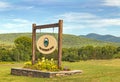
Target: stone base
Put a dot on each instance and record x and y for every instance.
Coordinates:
(37, 73)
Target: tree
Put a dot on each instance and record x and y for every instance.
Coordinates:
(86, 53)
(5, 55)
(70, 54)
(118, 49)
(24, 46)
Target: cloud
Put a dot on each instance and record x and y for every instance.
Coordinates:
(74, 16)
(4, 5)
(8, 6)
(16, 25)
(75, 22)
(21, 7)
(42, 1)
(88, 20)
(20, 20)
(10, 31)
(114, 3)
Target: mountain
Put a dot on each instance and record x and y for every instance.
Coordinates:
(109, 38)
(68, 40)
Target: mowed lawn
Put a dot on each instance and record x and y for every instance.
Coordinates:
(93, 71)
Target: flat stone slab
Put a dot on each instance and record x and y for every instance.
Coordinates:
(37, 73)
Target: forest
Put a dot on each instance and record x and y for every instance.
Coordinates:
(22, 51)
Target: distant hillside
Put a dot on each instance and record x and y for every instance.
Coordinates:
(109, 38)
(68, 40)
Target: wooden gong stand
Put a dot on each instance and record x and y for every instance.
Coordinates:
(60, 28)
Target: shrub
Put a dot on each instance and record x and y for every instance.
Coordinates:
(23, 45)
(43, 65)
(116, 55)
(70, 54)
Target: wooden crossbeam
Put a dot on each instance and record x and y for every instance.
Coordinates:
(60, 28)
(47, 26)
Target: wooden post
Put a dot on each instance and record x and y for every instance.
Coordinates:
(33, 43)
(60, 43)
(60, 28)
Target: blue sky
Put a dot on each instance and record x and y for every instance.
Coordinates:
(80, 16)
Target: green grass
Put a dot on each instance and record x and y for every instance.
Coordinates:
(93, 71)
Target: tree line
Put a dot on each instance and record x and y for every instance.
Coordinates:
(22, 51)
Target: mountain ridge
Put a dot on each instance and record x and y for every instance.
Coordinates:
(68, 39)
(107, 37)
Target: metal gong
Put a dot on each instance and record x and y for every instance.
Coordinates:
(46, 44)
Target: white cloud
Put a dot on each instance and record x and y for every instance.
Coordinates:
(21, 7)
(75, 22)
(115, 3)
(9, 6)
(10, 31)
(87, 20)
(16, 25)
(4, 5)
(73, 16)
(21, 20)
(42, 1)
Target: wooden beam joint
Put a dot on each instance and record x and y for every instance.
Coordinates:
(47, 26)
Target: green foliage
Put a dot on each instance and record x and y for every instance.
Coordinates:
(89, 52)
(5, 55)
(70, 54)
(10, 37)
(81, 48)
(116, 55)
(23, 45)
(86, 52)
(118, 49)
(68, 40)
(43, 65)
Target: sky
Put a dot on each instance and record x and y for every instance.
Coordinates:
(80, 16)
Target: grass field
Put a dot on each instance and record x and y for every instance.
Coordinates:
(93, 71)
